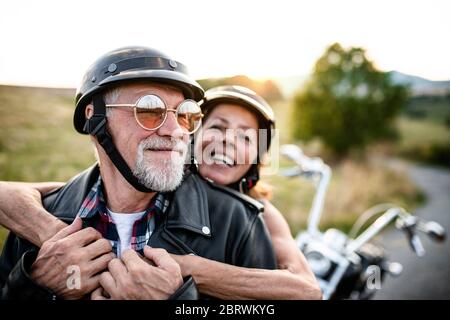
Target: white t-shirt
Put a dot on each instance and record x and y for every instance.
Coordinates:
(124, 223)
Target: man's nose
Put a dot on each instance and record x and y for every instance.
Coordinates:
(171, 127)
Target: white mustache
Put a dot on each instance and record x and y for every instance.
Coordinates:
(163, 143)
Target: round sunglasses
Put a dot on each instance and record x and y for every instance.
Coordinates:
(150, 112)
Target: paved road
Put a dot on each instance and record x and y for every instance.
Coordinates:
(427, 277)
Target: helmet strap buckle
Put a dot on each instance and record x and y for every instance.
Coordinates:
(94, 124)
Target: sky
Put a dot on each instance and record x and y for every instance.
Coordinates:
(51, 43)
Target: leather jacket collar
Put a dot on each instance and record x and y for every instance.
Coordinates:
(183, 212)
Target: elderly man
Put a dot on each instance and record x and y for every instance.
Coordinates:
(139, 107)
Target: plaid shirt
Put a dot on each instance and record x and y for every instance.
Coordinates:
(94, 214)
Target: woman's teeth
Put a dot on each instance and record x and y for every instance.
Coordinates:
(223, 159)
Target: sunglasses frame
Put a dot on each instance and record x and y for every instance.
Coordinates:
(135, 107)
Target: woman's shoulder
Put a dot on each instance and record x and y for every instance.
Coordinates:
(222, 197)
(247, 200)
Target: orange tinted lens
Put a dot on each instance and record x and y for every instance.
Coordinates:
(150, 112)
(189, 115)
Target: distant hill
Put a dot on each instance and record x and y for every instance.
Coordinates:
(419, 86)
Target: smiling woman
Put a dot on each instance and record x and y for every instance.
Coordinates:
(238, 129)
(223, 160)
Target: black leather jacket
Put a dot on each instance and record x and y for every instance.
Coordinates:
(204, 219)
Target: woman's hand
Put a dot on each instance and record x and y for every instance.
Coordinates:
(22, 212)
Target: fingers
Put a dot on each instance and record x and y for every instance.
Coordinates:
(91, 283)
(117, 269)
(162, 259)
(108, 283)
(67, 231)
(98, 248)
(97, 294)
(84, 237)
(101, 263)
(130, 257)
(158, 256)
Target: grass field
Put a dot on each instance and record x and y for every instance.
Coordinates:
(425, 132)
(38, 143)
(420, 132)
(430, 108)
(425, 141)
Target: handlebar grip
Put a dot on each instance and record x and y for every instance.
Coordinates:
(435, 231)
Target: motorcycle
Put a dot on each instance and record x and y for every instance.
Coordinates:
(350, 266)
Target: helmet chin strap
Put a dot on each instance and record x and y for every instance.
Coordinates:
(96, 126)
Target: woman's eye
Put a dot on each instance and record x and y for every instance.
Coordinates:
(215, 126)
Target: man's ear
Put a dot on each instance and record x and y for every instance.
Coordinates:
(89, 111)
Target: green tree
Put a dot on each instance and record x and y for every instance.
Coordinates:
(346, 102)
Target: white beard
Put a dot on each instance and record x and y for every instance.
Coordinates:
(160, 174)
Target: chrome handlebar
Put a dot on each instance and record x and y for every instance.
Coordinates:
(312, 169)
(316, 170)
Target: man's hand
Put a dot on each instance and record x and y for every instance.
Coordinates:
(134, 278)
(72, 254)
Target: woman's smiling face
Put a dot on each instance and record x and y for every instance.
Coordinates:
(229, 144)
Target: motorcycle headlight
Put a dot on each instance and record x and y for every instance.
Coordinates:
(318, 263)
